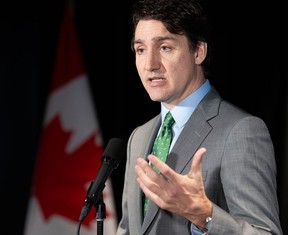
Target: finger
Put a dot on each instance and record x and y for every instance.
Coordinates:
(141, 169)
(196, 166)
(146, 175)
(196, 162)
(165, 171)
(145, 172)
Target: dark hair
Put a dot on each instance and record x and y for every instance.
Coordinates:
(179, 17)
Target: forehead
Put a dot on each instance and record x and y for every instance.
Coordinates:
(149, 29)
(155, 31)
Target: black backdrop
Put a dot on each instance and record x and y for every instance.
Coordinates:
(250, 59)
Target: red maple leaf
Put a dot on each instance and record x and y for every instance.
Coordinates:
(61, 179)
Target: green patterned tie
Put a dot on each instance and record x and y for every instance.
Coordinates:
(161, 145)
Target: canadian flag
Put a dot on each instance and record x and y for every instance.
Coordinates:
(70, 150)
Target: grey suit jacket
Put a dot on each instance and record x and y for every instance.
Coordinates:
(239, 173)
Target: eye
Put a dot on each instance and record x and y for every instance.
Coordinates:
(139, 50)
(165, 48)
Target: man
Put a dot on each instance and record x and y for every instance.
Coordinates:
(220, 174)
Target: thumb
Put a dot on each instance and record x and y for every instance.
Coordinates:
(196, 166)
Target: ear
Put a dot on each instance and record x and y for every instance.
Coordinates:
(201, 52)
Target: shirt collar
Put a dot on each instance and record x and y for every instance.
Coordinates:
(182, 112)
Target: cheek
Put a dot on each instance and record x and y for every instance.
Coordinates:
(139, 70)
(139, 64)
(184, 66)
(180, 73)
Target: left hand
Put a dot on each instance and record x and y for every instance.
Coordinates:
(180, 194)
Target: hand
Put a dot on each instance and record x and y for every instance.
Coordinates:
(180, 194)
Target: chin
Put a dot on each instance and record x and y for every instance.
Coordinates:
(156, 99)
(157, 96)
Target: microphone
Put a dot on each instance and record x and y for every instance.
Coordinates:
(114, 152)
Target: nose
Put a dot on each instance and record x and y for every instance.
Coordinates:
(152, 61)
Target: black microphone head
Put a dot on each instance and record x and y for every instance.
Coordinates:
(115, 151)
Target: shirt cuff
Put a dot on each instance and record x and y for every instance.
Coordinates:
(196, 231)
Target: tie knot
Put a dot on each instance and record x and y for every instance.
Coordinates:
(168, 120)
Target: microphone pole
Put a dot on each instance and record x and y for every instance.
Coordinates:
(100, 215)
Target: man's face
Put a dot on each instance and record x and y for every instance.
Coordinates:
(168, 68)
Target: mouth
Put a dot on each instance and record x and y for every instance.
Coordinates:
(156, 78)
(156, 81)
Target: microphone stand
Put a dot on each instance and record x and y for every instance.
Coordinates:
(100, 215)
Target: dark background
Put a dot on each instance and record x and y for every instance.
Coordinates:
(249, 69)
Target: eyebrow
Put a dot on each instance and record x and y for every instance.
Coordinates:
(156, 39)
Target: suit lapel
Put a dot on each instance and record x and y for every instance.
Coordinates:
(196, 130)
(188, 142)
(148, 135)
